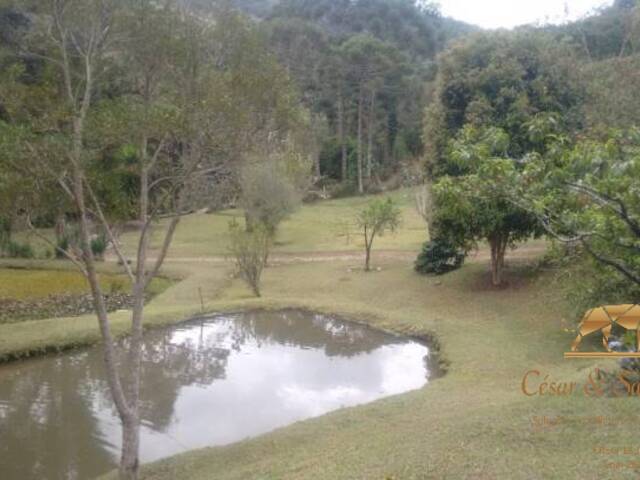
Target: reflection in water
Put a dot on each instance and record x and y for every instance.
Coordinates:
(206, 382)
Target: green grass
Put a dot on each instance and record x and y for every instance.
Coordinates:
(320, 227)
(472, 423)
(37, 284)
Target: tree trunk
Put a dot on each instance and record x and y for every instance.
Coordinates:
(343, 146)
(129, 463)
(367, 260)
(60, 227)
(498, 246)
(316, 155)
(370, 128)
(113, 379)
(368, 243)
(129, 460)
(360, 184)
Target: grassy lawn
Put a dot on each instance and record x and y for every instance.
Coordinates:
(472, 423)
(29, 284)
(38, 286)
(320, 227)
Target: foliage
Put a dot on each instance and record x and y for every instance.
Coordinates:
(378, 216)
(5, 233)
(587, 194)
(611, 86)
(19, 250)
(503, 80)
(267, 195)
(612, 31)
(250, 250)
(62, 245)
(361, 65)
(438, 256)
(99, 246)
(477, 205)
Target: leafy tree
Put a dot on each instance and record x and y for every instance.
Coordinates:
(477, 206)
(267, 196)
(503, 80)
(379, 216)
(587, 194)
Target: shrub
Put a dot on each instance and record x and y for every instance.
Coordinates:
(250, 249)
(63, 245)
(439, 256)
(5, 234)
(268, 196)
(117, 286)
(20, 250)
(99, 246)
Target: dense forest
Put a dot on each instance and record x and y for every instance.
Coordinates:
(361, 68)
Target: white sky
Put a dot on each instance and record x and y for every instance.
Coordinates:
(511, 13)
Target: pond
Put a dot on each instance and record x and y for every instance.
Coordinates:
(210, 381)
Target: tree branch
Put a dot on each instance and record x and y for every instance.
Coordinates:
(107, 228)
(69, 256)
(620, 267)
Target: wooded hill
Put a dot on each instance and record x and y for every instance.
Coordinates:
(361, 68)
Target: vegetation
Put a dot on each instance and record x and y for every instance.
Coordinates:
(586, 195)
(157, 90)
(267, 196)
(477, 205)
(122, 122)
(360, 67)
(250, 250)
(378, 216)
(439, 257)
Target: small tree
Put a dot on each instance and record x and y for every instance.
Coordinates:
(377, 217)
(250, 250)
(268, 197)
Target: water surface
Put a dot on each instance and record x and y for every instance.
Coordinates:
(206, 382)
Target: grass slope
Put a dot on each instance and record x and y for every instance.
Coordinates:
(472, 423)
(320, 227)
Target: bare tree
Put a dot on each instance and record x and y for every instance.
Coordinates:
(85, 40)
(175, 101)
(250, 250)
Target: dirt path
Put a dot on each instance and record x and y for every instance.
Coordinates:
(525, 252)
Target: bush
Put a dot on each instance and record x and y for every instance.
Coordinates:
(63, 246)
(439, 256)
(20, 250)
(5, 234)
(268, 196)
(99, 246)
(250, 249)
